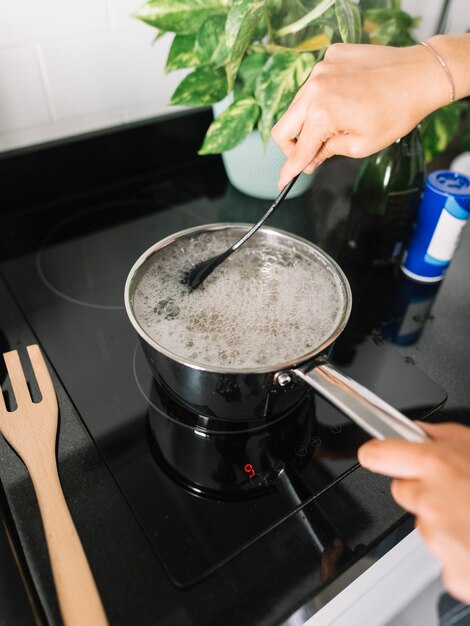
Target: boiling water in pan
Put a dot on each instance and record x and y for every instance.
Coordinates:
(271, 302)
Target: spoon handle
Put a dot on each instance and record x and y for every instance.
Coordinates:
(269, 212)
(78, 596)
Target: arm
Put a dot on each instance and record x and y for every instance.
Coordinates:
(361, 98)
(432, 481)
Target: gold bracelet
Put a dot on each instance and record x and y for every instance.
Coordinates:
(444, 66)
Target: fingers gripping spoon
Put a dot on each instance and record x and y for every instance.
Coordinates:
(31, 430)
(198, 274)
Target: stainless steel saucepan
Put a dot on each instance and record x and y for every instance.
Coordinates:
(265, 393)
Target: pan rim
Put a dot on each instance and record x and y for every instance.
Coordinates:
(286, 365)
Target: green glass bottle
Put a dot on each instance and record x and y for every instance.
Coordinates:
(384, 202)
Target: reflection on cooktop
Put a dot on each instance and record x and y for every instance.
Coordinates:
(221, 490)
(236, 465)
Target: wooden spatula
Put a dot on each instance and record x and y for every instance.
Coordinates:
(31, 430)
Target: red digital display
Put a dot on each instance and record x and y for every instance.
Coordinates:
(250, 470)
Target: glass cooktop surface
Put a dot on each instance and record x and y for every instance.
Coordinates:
(201, 496)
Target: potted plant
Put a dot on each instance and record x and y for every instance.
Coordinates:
(248, 59)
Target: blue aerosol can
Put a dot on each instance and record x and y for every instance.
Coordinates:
(442, 214)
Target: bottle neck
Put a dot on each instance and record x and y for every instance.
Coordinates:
(410, 144)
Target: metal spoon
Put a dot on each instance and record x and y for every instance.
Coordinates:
(198, 274)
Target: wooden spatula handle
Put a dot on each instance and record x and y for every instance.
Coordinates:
(79, 600)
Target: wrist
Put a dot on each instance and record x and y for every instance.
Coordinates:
(455, 51)
(431, 87)
(445, 69)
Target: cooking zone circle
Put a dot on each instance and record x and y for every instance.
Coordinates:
(91, 277)
(216, 458)
(232, 464)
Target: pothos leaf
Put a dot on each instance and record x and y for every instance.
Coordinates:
(278, 83)
(386, 26)
(318, 10)
(241, 25)
(349, 21)
(250, 69)
(317, 42)
(312, 44)
(179, 16)
(183, 53)
(274, 6)
(159, 34)
(464, 139)
(375, 4)
(439, 128)
(202, 87)
(211, 40)
(231, 127)
(381, 33)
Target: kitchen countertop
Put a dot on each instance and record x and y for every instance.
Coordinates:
(125, 569)
(442, 351)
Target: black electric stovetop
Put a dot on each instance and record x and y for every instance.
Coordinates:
(203, 497)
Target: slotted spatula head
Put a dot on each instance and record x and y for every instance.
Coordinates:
(31, 430)
(32, 426)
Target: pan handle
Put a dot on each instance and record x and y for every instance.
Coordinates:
(370, 412)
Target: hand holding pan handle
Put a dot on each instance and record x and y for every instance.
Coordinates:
(370, 412)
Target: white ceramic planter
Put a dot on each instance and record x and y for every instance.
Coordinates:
(254, 168)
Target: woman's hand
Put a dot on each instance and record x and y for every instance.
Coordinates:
(432, 481)
(358, 100)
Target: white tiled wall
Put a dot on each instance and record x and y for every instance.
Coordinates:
(459, 17)
(74, 66)
(429, 10)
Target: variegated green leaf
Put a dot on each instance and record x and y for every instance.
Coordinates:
(202, 87)
(159, 34)
(251, 68)
(183, 53)
(311, 44)
(464, 135)
(388, 26)
(274, 6)
(211, 40)
(375, 4)
(321, 8)
(317, 42)
(278, 83)
(349, 21)
(231, 127)
(382, 34)
(180, 16)
(439, 129)
(242, 23)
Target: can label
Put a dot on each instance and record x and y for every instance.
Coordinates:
(445, 239)
(442, 214)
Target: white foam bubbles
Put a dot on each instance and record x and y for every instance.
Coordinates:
(272, 301)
